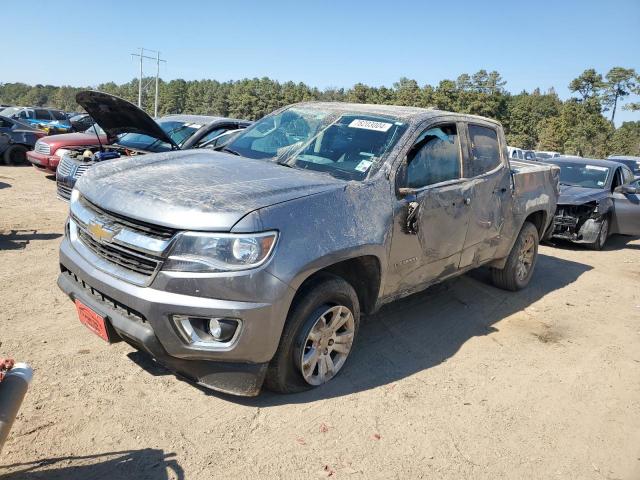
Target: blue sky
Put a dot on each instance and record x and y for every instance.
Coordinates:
(323, 43)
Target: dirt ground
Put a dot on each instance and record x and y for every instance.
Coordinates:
(461, 381)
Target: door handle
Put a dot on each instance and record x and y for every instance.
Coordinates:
(467, 201)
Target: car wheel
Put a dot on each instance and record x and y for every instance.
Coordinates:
(317, 338)
(603, 235)
(521, 261)
(15, 155)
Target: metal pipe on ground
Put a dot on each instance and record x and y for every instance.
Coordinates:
(13, 388)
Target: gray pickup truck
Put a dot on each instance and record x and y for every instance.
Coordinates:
(253, 264)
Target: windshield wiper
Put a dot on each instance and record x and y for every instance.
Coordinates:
(228, 150)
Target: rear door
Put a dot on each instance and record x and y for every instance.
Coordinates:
(627, 206)
(491, 178)
(431, 222)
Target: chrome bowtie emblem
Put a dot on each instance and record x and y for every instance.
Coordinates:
(101, 231)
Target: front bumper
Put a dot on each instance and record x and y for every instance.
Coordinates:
(142, 317)
(42, 161)
(568, 228)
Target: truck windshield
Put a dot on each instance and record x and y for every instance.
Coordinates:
(344, 145)
(583, 175)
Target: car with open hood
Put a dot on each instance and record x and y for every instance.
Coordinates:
(597, 198)
(16, 139)
(129, 132)
(252, 263)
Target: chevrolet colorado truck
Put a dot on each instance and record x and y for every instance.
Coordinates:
(253, 264)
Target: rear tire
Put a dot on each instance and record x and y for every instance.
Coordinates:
(603, 235)
(15, 155)
(521, 261)
(306, 337)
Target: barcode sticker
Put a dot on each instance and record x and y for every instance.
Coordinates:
(371, 125)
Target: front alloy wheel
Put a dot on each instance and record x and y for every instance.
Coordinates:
(327, 345)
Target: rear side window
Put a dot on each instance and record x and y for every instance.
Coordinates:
(434, 157)
(42, 114)
(485, 150)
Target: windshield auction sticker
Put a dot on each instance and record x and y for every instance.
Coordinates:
(363, 166)
(371, 125)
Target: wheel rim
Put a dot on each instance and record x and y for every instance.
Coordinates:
(327, 345)
(526, 257)
(604, 230)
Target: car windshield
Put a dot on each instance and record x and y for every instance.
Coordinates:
(178, 131)
(583, 175)
(344, 145)
(542, 155)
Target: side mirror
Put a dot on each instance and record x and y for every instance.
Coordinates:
(626, 189)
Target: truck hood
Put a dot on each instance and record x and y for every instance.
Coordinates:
(116, 116)
(196, 189)
(570, 195)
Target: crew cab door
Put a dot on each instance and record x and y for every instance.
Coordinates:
(626, 204)
(489, 170)
(431, 212)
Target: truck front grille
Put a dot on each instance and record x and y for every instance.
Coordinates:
(124, 257)
(124, 247)
(154, 231)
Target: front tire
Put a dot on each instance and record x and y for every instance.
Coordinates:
(603, 235)
(521, 261)
(318, 336)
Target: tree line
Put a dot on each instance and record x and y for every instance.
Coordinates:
(581, 125)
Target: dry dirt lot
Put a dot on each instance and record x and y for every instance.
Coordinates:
(461, 381)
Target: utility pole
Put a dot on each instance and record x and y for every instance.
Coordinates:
(140, 88)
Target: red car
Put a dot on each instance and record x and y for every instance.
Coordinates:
(48, 151)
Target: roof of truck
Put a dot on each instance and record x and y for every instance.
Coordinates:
(410, 114)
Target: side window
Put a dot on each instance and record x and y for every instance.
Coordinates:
(520, 155)
(5, 123)
(617, 179)
(434, 157)
(627, 175)
(23, 114)
(485, 150)
(42, 114)
(58, 115)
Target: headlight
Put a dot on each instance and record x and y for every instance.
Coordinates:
(75, 196)
(220, 252)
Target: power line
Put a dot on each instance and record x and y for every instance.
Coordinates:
(157, 58)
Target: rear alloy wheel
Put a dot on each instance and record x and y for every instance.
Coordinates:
(521, 261)
(15, 155)
(602, 235)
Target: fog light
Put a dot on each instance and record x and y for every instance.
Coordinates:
(208, 333)
(222, 329)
